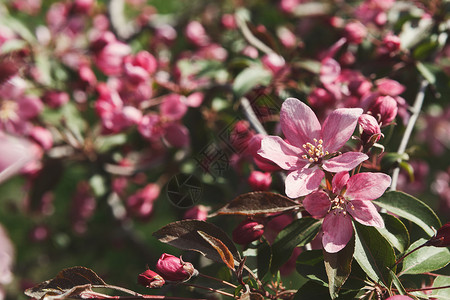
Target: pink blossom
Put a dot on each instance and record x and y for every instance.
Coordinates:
(42, 136)
(141, 202)
(311, 148)
(55, 99)
(196, 34)
(389, 87)
(350, 198)
(109, 53)
(15, 152)
(273, 62)
(287, 37)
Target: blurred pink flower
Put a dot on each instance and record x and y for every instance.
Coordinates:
(311, 147)
(16, 154)
(141, 202)
(198, 212)
(355, 32)
(172, 268)
(260, 181)
(6, 257)
(196, 34)
(350, 197)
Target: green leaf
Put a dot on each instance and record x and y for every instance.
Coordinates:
(264, 258)
(410, 208)
(310, 265)
(311, 290)
(426, 72)
(441, 281)
(250, 78)
(395, 232)
(426, 259)
(374, 254)
(298, 233)
(338, 266)
(398, 285)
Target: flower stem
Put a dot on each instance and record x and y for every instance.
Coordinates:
(412, 251)
(208, 289)
(219, 280)
(409, 128)
(429, 288)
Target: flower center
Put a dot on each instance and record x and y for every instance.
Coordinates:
(8, 111)
(340, 205)
(314, 152)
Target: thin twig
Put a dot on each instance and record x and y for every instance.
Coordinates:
(208, 289)
(251, 116)
(409, 128)
(219, 280)
(429, 288)
(242, 25)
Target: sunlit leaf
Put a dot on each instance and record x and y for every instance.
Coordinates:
(255, 203)
(426, 259)
(298, 233)
(374, 254)
(220, 247)
(441, 281)
(250, 78)
(410, 208)
(184, 235)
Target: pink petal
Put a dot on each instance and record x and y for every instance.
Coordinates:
(277, 150)
(16, 153)
(330, 70)
(365, 213)
(303, 182)
(344, 162)
(338, 127)
(367, 186)
(298, 122)
(337, 232)
(339, 181)
(177, 135)
(317, 204)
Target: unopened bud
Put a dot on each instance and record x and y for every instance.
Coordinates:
(260, 181)
(441, 238)
(175, 269)
(247, 232)
(370, 129)
(151, 279)
(384, 109)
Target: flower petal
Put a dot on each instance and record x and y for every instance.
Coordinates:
(344, 162)
(365, 213)
(339, 181)
(286, 156)
(317, 204)
(303, 182)
(337, 232)
(367, 186)
(338, 127)
(298, 122)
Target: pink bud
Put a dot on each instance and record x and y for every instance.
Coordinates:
(273, 62)
(141, 202)
(110, 54)
(177, 135)
(240, 136)
(173, 268)
(389, 87)
(384, 109)
(42, 136)
(150, 279)
(371, 132)
(228, 21)
(355, 32)
(194, 99)
(173, 107)
(329, 70)
(260, 181)
(196, 34)
(391, 43)
(198, 212)
(87, 76)
(399, 297)
(441, 238)
(250, 51)
(287, 37)
(55, 99)
(247, 231)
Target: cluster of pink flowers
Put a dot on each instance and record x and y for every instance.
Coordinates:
(311, 151)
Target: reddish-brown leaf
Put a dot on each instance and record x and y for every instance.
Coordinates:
(256, 203)
(184, 235)
(220, 247)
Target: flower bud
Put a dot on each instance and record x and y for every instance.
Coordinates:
(384, 109)
(399, 297)
(441, 238)
(260, 181)
(247, 232)
(151, 279)
(355, 32)
(198, 212)
(273, 62)
(173, 268)
(370, 129)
